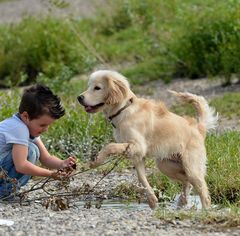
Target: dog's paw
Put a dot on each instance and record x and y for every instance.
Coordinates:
(182, 201)
(152, 201)
(93, 164)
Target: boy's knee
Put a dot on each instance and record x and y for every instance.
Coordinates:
(33, 153)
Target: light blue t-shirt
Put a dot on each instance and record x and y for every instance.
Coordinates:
(13, 131)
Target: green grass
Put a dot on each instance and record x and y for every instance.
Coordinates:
(228, 105)
(226, 218)
(223, 167)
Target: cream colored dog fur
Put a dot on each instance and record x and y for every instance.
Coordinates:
(147, 128)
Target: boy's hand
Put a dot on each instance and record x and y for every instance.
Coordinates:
(59, 174)
(70, 162)
(67, 167)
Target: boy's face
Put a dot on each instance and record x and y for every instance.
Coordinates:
(37, 126)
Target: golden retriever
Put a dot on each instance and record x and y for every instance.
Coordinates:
(147, 128)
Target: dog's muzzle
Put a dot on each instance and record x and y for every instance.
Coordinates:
(89, 108)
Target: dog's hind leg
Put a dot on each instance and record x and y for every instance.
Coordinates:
(175, 171)
(200, 185)
(183, 199)
(195, 172)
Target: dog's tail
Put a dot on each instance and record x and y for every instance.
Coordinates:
(206, 114)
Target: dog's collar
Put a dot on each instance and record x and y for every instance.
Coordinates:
(119, 111)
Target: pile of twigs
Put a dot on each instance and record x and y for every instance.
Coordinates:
(57, 194)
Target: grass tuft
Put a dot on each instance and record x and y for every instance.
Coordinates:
(224, 218)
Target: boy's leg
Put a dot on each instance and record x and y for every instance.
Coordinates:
(33, 157)
(6, 187)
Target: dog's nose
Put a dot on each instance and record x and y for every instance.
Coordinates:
(80, 98)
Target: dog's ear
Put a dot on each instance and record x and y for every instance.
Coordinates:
(117, 91)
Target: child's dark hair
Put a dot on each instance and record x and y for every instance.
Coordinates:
(39, 100)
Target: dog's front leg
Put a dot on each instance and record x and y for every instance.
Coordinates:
(140, 168)
(110, 149)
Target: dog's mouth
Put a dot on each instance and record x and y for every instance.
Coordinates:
(92, 109)
(89, 108)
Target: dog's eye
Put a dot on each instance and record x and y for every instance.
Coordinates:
(97, 88)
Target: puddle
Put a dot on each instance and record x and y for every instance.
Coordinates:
(115, 204)
(194, 202)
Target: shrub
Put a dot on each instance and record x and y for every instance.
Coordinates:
(146, 39)
(48, 46)
(128, 13)
(209, 45)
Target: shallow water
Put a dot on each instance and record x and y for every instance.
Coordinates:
(114, 204)
(193, 202)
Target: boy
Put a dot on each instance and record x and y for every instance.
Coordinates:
(20, 143)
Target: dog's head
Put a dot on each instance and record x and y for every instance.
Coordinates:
(105, 88)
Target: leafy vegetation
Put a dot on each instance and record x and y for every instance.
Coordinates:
(43, 50)
(148, 39)
(209, 44)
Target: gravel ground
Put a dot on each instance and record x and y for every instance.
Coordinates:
(34, 219)
(134, 219)
(28, 221)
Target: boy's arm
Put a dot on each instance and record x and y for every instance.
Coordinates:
(22, 165)
(51, 161)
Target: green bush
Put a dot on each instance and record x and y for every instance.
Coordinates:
(209, 44)
(128, 13)
(166, 39)
(48, 47)
(144, 39)
(139, 44)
